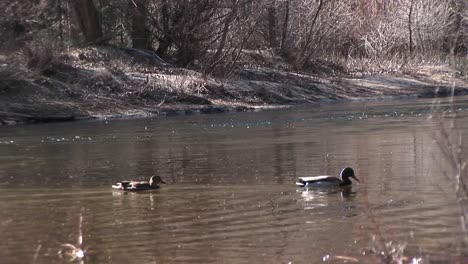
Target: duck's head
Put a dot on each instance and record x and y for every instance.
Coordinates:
(347, 173)
(155, 180)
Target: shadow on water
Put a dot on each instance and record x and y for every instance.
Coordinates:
(230, 195)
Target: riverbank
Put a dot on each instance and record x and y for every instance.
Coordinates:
(107, 82)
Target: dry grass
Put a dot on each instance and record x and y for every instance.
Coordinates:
(11, 71)
(178, 84)
(389, 64)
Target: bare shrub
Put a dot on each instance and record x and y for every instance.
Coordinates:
(376, 33)
(42, 55)
(460, 64)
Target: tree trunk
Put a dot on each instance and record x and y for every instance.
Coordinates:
(284, 33)
(165, 41)
(163, 47)
(303, 58)
(87, 18)
(410, 29)
(458, 29)
(222, 42)
(140, 33)
(271, 16)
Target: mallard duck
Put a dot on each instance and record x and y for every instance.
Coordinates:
(153, 183)
(328, 181)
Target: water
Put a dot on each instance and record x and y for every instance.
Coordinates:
(230, 196)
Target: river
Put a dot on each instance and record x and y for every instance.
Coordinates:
(230, 195)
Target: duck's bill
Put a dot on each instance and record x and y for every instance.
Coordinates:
(354, 177)
(300, 184)
(163, 182)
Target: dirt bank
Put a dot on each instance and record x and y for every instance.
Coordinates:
(107, 82)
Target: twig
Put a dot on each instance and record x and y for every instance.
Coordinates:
(36, 253)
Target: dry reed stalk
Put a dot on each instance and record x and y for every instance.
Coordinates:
(386, 250)
(449, 138)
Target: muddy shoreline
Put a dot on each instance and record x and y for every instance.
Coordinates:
(95, 84)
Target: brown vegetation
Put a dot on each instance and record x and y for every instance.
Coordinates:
(201, 33)
(203, 51)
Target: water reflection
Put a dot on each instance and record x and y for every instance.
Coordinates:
(231, 195)
(309, 194)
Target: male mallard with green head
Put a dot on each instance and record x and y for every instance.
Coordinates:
(329, 181)
(152, 184)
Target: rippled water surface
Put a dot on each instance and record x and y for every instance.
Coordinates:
(230, 196)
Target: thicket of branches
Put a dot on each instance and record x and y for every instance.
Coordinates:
(213, 35)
